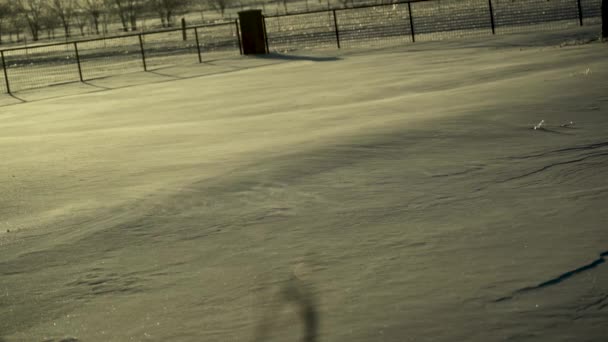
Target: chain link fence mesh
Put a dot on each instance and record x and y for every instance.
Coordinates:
(364, 26)
(112, 56)
(436, 20)
(533, 15)
(37, 67)
(301, 31)
(164, 49)
(41, 66)
(218, 41)
(592, 11)
(374, 26)
(3, 89)
(430, 20)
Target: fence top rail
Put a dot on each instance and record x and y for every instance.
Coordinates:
(128, 35)
(344, 8)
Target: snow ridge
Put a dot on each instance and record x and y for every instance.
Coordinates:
(558, 279)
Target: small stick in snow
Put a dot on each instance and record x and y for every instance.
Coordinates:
(539, 125)
(567, 124)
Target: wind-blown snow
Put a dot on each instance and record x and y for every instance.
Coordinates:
(405, 186)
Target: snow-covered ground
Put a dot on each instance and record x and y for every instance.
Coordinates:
(404, 187)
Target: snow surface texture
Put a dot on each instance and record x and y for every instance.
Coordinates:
(402, 190)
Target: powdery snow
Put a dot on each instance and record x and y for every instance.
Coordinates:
(405, 186)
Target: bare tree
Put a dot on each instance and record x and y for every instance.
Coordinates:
(17, 24)
(127, 11)
(33, 12)
(5, 14)
(80, 19)
(284, 2)
(220, 5)
(345, 3)
(94, 9)
(50, 22)
(122, 15)
(200, 9)
(201, 6)
(106, 17)
(64, 10)
(167, 9)
(241, 4)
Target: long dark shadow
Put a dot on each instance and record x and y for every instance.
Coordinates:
(300, 294)
(96, 86)
(280, 56)
(562, 277)
(164, 75)
(18, 99)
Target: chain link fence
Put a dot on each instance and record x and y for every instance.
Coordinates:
(108, 57)
(374, 25)
(219, 41)
(41, 66)
(362, 26)
(3, 75)
(535, 15)
(436, 20)
(591, 11)
(54, 64)
(301, 31)
(420, 20)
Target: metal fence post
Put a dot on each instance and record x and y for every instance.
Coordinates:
(198, 45)
(492, 16)
(184, 34)
(8, 85)
(580, 12)
(265, 34)
(238, 35)
(409, 9)
(337, 31)
(143, 52)
(605, 19)
(78, 62)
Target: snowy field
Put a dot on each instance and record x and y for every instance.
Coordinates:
(403, 189)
